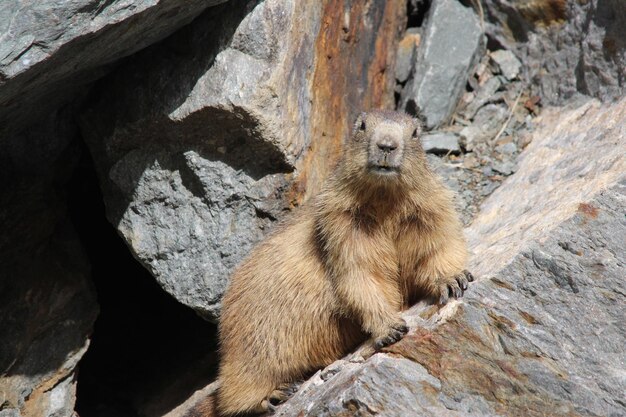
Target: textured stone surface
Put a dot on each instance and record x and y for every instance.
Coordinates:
(450, 47)
(407, 54)
(354, 391)
(486, 125)
(567, 47)
(507, 63)
(483, 95)
(542, 331)
(197, 139)
(441, 143)
(49, 49)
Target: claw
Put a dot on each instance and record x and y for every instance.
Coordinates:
(283, 392)
(401, 327)
(397, 331)
(276, 397)
(462, 281)
(265, 407)
(291, 388)
(444, 298)
(455, 287)
(454, 290)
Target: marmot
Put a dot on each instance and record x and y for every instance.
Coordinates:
(382, 233)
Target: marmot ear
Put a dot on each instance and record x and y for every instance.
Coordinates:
(359, 125)
(413, 109)
(418, 127)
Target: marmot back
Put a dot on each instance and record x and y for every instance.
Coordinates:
(382, 233)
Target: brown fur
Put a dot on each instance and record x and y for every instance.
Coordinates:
(342, 268)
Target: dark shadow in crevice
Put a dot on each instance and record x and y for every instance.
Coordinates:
(611, 16)
(148, 352)
(493, 43)
(416, 12)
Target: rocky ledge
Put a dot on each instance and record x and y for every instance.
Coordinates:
(542, 331)
(194, 126)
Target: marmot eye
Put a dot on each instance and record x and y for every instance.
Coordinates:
(362, 126)
(414, 134)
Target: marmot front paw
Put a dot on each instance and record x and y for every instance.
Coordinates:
(396, 331)
(454, 286)
(283, 392)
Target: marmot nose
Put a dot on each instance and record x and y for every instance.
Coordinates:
(387, 146)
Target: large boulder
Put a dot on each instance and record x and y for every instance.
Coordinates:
(450, 48)
(542, 331)
(50, 49)
(203, 140)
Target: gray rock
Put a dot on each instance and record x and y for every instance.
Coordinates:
(485, 126)
(543, 327)
(507, 63)
(461, 181)
(509, 148)
(566, 47)
(450, 48)
(362, 395)
(484, 94)
(487, 187)
(487, 171)
(407, 54)
(564, 298)
(441, 143)
(191, 219)
(448, 172)
(504, 167)
(195, 139)
(49, 49)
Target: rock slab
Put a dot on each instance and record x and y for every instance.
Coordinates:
(441, 143)
(407, 54)
(507, 63)
(451, 46)
(49, 49)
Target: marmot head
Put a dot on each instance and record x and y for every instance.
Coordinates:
(384, 147)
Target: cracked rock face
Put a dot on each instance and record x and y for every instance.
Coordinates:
(567, 47)
(197, 139)
(542, 330)
(43, 68)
